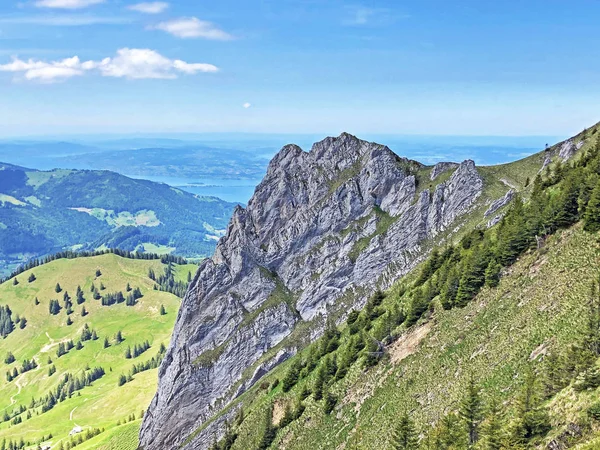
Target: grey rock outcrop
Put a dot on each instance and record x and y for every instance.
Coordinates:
(321, 224)
(568, 148)
(442, 167)
(495, 220)
(500, 203)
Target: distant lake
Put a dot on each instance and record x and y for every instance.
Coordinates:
(237, 191)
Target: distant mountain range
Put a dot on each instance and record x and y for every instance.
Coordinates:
(43, 212)
(229, 166)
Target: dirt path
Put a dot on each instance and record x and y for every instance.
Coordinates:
(71, 415)
(46, 348)
(18, 385)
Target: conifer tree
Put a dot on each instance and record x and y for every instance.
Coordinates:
(319, 384)
(532, 418)
(492, 428)
(269, 430)
(57, 288)
(492, 274)
(450, 434)
(592, 212)
(329, 403)
(10, 358)
(470, 412)
(405, 434)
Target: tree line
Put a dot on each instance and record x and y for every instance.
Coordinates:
(69, 254)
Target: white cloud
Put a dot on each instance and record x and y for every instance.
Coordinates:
(149, 7)
(192, 27)
(144, 63)
(67, 4)
(45, 72)
(128, 63)
(247, 105)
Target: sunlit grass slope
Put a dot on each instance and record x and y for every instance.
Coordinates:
(104, 403)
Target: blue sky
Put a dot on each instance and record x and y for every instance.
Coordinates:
(281, 66)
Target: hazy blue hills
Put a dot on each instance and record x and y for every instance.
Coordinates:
(46, 211)
(230, 165)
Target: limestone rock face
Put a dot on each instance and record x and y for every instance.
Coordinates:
(442, 167)
(568, 148)
(321, 224)
(500, 203)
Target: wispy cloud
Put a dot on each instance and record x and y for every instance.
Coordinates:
(149, 7)
(128, 63)
(364, 15)
(65, 20)
(67, 4)
(247, 105)
(192, 27)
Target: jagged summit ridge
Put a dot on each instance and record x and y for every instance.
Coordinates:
(343, 216)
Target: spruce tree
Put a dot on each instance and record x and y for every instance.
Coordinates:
(492, 274)
(470, 412)
(591, 217)
(10, 358)
(269, 431)
(532, 417)
(57, 288)
(319, 384)
(405, 434)
(492, 428)
(329, 403)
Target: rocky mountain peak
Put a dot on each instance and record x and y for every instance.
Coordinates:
(322, 225)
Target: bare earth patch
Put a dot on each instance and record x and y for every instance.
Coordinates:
(408, 343)
(278, 411)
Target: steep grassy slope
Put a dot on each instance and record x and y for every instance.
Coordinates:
(541, 301)
(103, 403)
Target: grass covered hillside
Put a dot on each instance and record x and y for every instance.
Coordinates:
(47, 212)
(81, 347)
(492, 343)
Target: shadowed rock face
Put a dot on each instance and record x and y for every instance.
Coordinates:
(343, 216)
